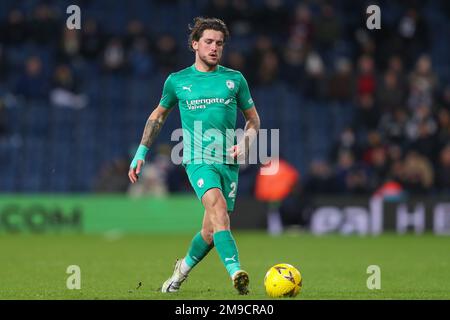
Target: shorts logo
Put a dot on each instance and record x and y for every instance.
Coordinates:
(200, 182)
(230, 84)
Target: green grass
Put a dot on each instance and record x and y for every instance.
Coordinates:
(333, 267)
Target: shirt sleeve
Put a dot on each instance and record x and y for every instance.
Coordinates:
(244, 99)
(169, 97)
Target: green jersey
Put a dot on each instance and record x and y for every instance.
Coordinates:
(208, 103)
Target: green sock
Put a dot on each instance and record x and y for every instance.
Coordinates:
(226, 247)
(197, 251)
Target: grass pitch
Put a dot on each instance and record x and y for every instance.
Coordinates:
(333, 267)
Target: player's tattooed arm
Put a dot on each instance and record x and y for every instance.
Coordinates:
(153, 126)
(252, 124)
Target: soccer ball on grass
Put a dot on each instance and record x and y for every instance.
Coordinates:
(283, 280)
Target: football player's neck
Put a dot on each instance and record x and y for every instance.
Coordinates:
(201, 66)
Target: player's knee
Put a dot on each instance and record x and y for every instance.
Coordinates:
(215, 200)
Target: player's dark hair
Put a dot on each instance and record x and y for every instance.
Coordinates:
(201, 24)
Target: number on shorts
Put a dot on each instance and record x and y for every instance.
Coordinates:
(232, 193)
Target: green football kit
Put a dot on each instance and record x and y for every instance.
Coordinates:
(208, 103)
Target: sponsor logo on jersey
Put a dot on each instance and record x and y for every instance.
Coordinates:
(200, 183)
(203, 103)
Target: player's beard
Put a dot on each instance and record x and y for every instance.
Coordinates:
(210, 63)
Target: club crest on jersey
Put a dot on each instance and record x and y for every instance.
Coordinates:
(200, 182)
(230, 84)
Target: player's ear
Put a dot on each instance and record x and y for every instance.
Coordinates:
(194, 45)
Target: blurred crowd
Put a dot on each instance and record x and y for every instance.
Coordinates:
(400, 130)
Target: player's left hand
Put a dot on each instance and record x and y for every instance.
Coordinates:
(237, 151)
(135, 170)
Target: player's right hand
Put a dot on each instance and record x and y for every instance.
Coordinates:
(135, 170)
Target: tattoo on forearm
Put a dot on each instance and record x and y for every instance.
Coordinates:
(151, 131)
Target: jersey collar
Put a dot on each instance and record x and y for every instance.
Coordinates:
(206, 72)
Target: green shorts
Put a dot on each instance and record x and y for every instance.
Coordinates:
(206, 176)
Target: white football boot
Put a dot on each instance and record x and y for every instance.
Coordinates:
(240, 281)
(174, 282)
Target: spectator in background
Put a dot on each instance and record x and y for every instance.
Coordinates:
(14, 31)
(443, 133)
(412, 32)
(69, 46)
(444, 97)
(268, 70)
(379, 164)
(366, 45)
(314, 84)
(135, 31)
(426, 143)
(44, 25)
(373, 143)
(393, 126)
(166, 53)
(422, 84)
(342, 81)
(358, 180)
(271, 18)
(65, 89)
(262, 45)
(154, 177)
(114, 57)
(327, 29)
(397, 171)
(418, 174)
(351, 177)
(395, 64)
(365, 80)
(347, 142)
(32, 83)
(421, 123)
(301, 25)
(390, 94)
(113, 177)
(345, 163)
(140, 60)
(367, 116)
(236, 60)
(219, 8)
(4, 64)
(92, 40)
(321, 179)
(293, 62)
(240, 18)
(443, 169)
(138, 43)
(394, 152)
